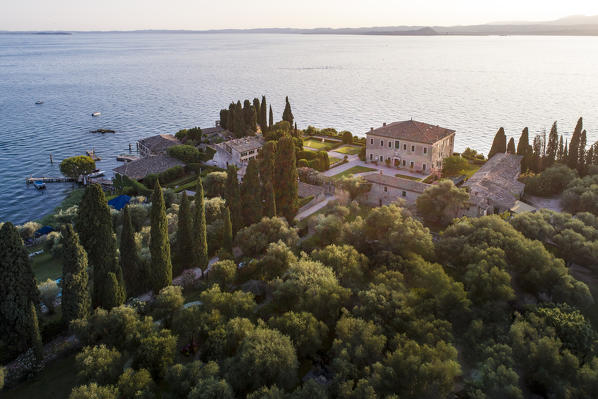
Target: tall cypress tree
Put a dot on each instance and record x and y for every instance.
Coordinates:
(263, 119)
(269, 201)
(94, 225)
(134, 273)
(232, 194)
(227, 232)
(536, 164)
(257, 106)
(553, 145)
(581, 160)
(266, 162)
(271, 117)
(285, 178)
(523, 144)
(566, 151)
(114, 295)
(251, 196)
(184, 237)
(573, 156)
(36, 337)
(18, 294)
(76, 301)
(499, 144)
(159, 244)
(559, 153)
(589, 159)
(287, 115)
(511, 146)
(200, 241)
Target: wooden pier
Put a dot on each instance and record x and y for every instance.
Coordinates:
(30, 180)
(126, 158)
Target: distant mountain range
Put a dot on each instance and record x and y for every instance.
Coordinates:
(577, 25)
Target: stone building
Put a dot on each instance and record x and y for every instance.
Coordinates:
(495, 187)
(237, 152)
(387, 189)
(410, 145)
(156, 145)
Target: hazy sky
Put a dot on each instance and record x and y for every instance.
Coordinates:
(214, 14)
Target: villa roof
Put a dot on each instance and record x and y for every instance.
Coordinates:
(412, 131)
(210, 131)
(244, 143)
(496, 181)
(397, 182)
(146, 166)
(159, 143)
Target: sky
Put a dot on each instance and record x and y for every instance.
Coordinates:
(218, 14)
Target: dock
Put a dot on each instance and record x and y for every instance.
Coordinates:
(126, 158)
(30, 180)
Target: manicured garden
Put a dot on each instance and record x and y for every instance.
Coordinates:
(352, 171)
(319, 144)
(348, 149)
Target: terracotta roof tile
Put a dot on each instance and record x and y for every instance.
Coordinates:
(396, 182)
(413, 131)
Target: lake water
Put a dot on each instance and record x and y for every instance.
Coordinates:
(146, 84)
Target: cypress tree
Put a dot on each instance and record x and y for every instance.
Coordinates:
(269, 201)
(251, 196)
(499, 144)
(159, 244)
(94, 225)
(559, 153)
(266, 162)
(133, 271)
(271, 117)
(511, 146)
(589, 159)
(296, 131)
(573, 156)
(200, 241)
(114, 295)
(224, 118)
(18, 294)
(257, 106)
(581, 162)
(230, 118)
(184, 237)
(232, 194)
(36, 337)
(536, 165)
(566, 151)
(227, 232)
(263, 119)
(552, 146)
(76, 301)
(287, 115)
(523, 144)
(239, 120)
(285, 178)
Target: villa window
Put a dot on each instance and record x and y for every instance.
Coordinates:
(404, 193)
(424, 167)
(425, 150)
(385, 189)
(371, 157)
(404, 162)
(411, 165)
(371, 141)
(381, 143)
(412, 148)
(405, 147)
(381, 158)
(397, 145)
(389, 144)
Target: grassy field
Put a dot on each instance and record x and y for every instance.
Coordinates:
(55, 381)
(46, 267)
(318, 145)
(407, 177)
(352, 171)
(348, 149)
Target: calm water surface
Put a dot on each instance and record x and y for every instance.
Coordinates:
(146, 84)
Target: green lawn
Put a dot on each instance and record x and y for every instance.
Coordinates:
(348, 149)
(304, 201)
(318, 144)
(352, 171)
(334, 160)
(407, 177)
(55, 381)
(45, 266)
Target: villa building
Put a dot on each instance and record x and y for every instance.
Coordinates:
(237, 152)
(410, 145)
(388, 189)
(156, 145)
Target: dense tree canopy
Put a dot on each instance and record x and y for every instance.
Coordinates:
(76, 166)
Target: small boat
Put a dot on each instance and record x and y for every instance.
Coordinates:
(40, 185)
(96, 173)
(39, 102)
(96, 114)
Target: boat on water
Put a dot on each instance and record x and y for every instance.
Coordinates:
(96, 173)
(40, 185)
(96, 114)
(39, 102)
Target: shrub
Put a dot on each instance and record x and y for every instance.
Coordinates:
(453, 165)
(223, 272)
(136, 384)
(550, 182)
(48, 291)
(302, 163)
(347, 137)
(99, 364)
(94, 391)
(185, 153)
(28, 229)
(169, 300)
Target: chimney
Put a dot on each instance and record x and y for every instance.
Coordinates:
(384, 124)
(371, 129)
